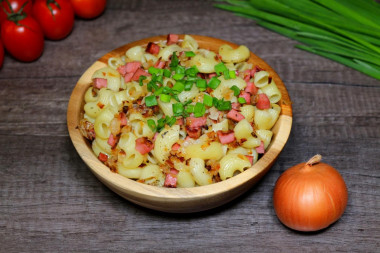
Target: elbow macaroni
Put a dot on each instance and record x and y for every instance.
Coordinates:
(157, 140)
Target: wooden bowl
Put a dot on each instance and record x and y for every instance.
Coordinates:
(177, 200)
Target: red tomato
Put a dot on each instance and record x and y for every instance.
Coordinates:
(1, 54)
(16, 5)
(23, 39)
(56, 17)
(88, 8)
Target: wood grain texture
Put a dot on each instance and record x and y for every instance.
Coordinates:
(50, 202)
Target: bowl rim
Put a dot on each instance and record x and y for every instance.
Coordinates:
(154, 193)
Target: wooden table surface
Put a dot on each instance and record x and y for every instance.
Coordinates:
(50, 201)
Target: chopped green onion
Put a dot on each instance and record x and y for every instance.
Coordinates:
(214, 83)
(178, 87)
(150, 100)
(159, 91)
(155, 71)
(189, 54)
(180, 70)
(187, 102)
(174, 61)
(171, 120)
(192, 78)
(167, 73)
(167, 90)
(192, 72)
(241, 100)
(175, 96)
(232, 74)
(220, 68)
(222, 105)
(160, 79)
(199, 110)
(178, 76)
(235, 89)
(207, 100)
(190, 108)
(201, 83)
(226, 74)
(152, 124)
(141, 78)
(177, 109)
(160, 124)
(188, 86)
(165, 98)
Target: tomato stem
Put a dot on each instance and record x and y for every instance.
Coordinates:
(315, 159)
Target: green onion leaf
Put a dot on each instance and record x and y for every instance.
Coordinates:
(192, 72)
(226, 74)
(241, 100)
(220, 68)
(232, 74)
(171, 120)
(159, 91)
(155, 71)
(201, 83)
(152, 125)
(235, 89)
(167, 90)
(160, 124)
(165, 98)
(180, 70)
(174, 61)
(178, 87)
(141, 78)
(167, 73)
(150, 101)
(178, 77)
(177, 109)
(189, 54)
(214, 83)
(199, 110)
(188, 86)
(190, 108)
(207, 100)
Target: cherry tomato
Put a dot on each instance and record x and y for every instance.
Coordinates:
(16, 6)
(56, 17)
(88, 8)
(22, 37)
(1, 54)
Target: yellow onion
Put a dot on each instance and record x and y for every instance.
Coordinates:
(310, 196)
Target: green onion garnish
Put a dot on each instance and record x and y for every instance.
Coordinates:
(235, 89)
(141, 78)
(190, 108)
(155, 71)
(165, 98)
(159, 91)
(199, 110)
(189, 54)
(201, 83)
(207, 100)
(170, 120)
(214, 83)
(152, 124)
(174, 61)
(192, 72)
(160, 124)
(160, 79)
(178, 76)
(241, 100)
(178, 87)
(222, 105)
(177, 109)
(232, 74)
(220, 68)
(180, 70)
(226, 74)
(167, 90)
(167, 73)
(188, 86)
(150, 100)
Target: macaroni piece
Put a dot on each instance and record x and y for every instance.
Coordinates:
(175, 115)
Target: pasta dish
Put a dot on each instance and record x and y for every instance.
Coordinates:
(173, 114)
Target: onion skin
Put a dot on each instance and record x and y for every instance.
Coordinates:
(310, 197)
